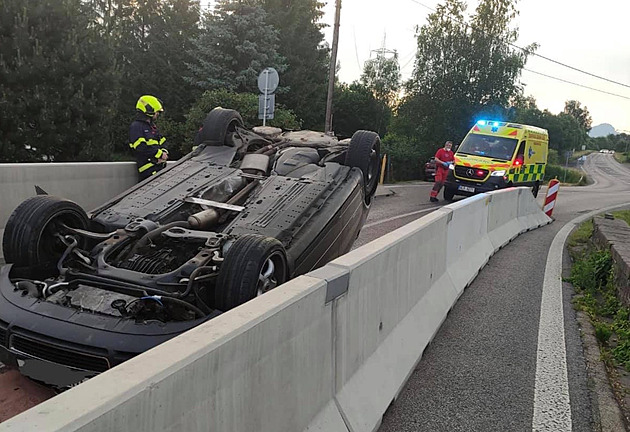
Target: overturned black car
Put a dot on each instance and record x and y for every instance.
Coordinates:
(240, 215)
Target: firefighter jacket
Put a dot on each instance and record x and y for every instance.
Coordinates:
(147, 144)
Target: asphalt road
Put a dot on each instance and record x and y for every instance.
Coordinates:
(479, 373)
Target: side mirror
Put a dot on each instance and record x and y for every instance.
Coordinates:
(519, 160)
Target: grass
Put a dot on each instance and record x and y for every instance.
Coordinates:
(621, 157)
(592, 275)
(566, 175)
(578, 154)
(581, 235)
(622, 214)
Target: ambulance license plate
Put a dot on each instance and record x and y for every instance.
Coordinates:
(466, 189)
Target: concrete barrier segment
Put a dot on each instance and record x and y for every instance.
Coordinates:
(401, 272)
(87, 183)
(264, 366)
(328, 420)
(468, 245)
(365, 396)
(530, 215)
(388, 277)
(503, 225)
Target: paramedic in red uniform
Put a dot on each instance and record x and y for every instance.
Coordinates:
(443, 158)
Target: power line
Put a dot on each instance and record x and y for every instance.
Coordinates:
(536, 54)
(576, 84)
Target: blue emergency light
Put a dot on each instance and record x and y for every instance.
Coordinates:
(489, 123)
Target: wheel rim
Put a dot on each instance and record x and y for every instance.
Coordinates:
(272, 273)
(48, 244)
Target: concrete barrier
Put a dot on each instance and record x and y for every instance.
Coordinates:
(468, 246)
(391, 312)
(530, 216)
(89, 184)
(503, 223)
(328, 351)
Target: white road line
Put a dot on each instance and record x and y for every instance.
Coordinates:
(399, 217)
(552, 406)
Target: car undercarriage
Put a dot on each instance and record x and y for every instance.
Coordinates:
(244, 212)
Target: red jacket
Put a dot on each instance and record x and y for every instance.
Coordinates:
(445, 156)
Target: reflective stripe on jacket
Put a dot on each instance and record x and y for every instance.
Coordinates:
(147, 143)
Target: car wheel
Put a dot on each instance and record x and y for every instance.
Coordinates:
(218, 124)
(364, 153)
(252, 266)
(449, 193)
(31, 233)
(535, 189)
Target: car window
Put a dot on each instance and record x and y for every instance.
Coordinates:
(489, 146)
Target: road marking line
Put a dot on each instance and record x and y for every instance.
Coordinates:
(552, 405)
(399, 217)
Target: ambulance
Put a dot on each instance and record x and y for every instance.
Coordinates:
(495, 155)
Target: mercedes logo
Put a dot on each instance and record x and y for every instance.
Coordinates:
(470, 172)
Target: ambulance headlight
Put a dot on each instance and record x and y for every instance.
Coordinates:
(498, 173)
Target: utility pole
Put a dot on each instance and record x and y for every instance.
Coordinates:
(333, 67)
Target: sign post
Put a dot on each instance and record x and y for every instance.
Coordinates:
(268, 81)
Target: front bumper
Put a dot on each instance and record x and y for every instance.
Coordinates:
(62, 346)
(470, 188)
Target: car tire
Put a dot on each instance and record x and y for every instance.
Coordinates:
(535, 189)
(218, 124)
(364, 152)
(244, 273)
(449, 193)
(29, 233)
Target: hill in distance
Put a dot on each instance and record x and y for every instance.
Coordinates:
(602, 130)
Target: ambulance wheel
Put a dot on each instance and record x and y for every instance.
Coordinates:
(449, 193)
(535, 189)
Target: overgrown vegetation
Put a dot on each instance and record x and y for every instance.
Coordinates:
(592, 275)
(622, 157)
(565, 175)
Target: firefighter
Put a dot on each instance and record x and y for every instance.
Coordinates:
(443, 159)
(145, 139)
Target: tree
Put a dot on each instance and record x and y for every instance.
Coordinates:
(462, 71)
(58, 80)
(152, 42)
(382, 76)
(355, 108)
(235, 45)
(301, 43)
(575, 110)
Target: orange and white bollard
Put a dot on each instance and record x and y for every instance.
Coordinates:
(552, 194)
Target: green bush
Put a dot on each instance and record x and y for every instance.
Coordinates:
(565, 175)
(406, 158)
(181, 135)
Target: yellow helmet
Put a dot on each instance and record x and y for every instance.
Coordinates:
(149, 105)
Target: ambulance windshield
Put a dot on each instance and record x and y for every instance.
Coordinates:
(489, 146)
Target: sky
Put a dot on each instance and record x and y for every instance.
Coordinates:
(591, 36)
